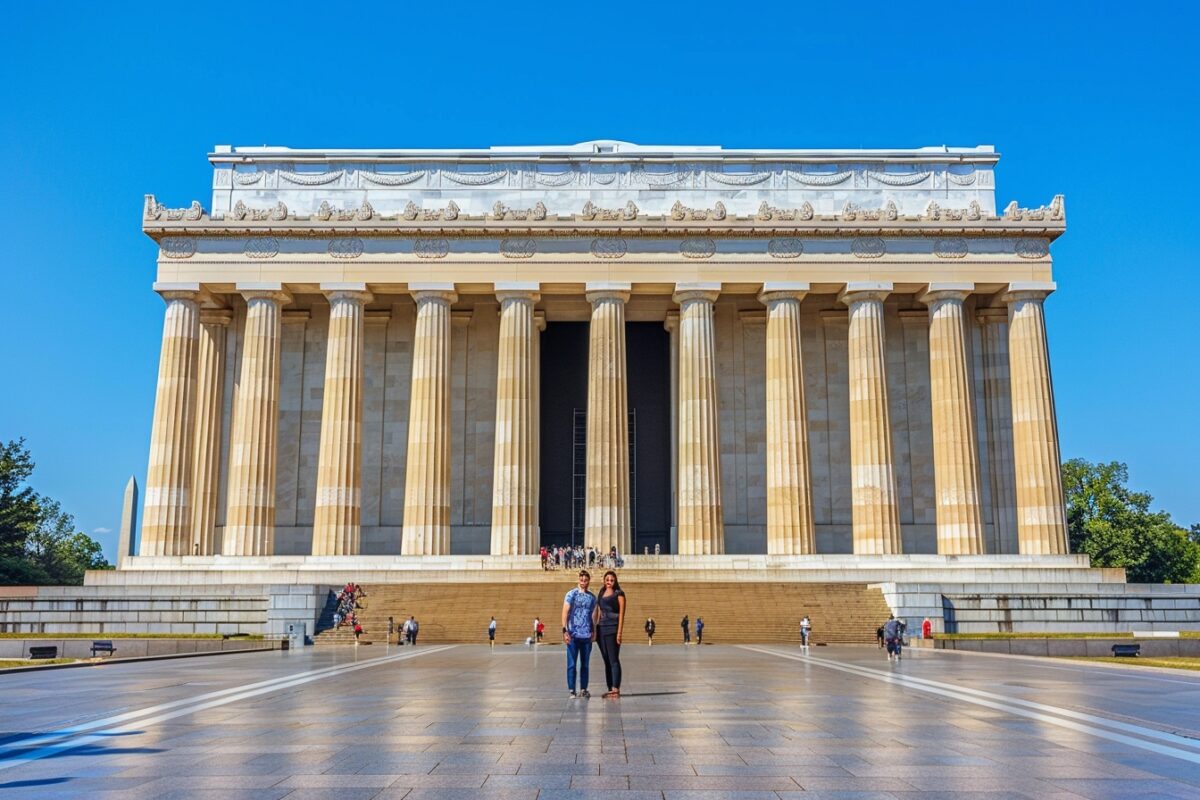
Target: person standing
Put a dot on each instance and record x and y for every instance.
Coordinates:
(492, 633)
(699, 630)
(406, 631)
(413, 630)
(892, 632)
(579, 618)
(686, 624)
(879, 636)
(805, 632)
(611, 603)
(650, 631)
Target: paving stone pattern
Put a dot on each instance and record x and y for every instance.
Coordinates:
(697, 722)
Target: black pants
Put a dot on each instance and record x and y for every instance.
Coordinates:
(611, 651)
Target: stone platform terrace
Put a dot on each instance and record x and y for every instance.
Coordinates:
(706, 722)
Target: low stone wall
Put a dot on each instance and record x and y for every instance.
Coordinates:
(131, 648)
(1151, 648)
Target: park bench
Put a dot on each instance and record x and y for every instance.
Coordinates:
(103, 647)
(44, 651)
(1126, 650)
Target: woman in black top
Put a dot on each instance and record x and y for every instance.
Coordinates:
(612, 622)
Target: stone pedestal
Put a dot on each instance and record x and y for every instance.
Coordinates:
(206, 462)
(514, 475)
(789, 483)
(167, 524)
(606, 516)
(701, 525)
(876, 514)
(426, 528)
(955, 450)
(338, 515)
(1041, 511)
(250, 515)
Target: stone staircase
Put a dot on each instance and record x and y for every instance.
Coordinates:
(734, 613)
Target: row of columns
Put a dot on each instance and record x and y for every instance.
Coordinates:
(181, 491)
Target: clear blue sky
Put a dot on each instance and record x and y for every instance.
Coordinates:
(97, 107)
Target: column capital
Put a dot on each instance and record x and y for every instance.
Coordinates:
(607, 290)
(178, 291)
(216, 316)
(935, 292)
(860, 291)
(517, 295)
(435, 292)
(692, 291)
(775, 291)
(1028, 290)
(256, 290)
(356, 292)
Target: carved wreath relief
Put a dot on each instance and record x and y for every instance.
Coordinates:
(609, 247)
(346, 248)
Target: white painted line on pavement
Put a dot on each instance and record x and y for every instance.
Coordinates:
(141, 718)
(1016, 706)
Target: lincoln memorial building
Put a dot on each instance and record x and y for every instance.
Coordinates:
(693, 350)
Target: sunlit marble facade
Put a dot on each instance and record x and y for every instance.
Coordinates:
(351, 350)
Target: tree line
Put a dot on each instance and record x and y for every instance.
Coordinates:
(1107, 520)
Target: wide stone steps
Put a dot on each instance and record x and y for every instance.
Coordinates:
(733, 613)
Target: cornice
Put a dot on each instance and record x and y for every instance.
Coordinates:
(1046, 222)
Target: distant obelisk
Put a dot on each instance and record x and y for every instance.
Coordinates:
(127, 542)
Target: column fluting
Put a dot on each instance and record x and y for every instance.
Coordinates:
(700, 514)
(606, 513)
(957, 492)
(1041, 512)
(535, 540)
(206, 461)
(875, 508)
(167, 524)
(250, 513)
(514, 475)
(790, 528)
(427, 479)
(337, 520)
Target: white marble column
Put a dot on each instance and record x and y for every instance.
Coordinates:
(535, 541)
(427, 479)
(1041, 511)
(514, 474)
(167, 524)
(250, 512)
(701, 516)
(876, 512)
(997, 398)
(206, 461)
(337, 520)
(671, 323)
(606, 513)
(957, 495)
(790, 529)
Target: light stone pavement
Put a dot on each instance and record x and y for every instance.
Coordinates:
(712, 721)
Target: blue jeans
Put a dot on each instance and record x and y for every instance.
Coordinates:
(581, 649)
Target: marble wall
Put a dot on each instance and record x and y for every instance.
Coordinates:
(741, 342)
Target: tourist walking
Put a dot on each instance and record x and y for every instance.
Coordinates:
(579, 617)
(611, 623)
(699, 630)
(413, 627)
(805, 632)
(650, 631)
(492, 633)
(879, 636)
(893, 632)
(686, 624)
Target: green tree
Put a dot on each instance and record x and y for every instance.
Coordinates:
(38, 540)
(1115, 527)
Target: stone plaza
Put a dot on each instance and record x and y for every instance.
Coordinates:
(716, 721)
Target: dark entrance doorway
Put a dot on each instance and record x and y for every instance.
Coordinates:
(563, 418)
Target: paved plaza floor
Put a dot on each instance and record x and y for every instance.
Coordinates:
(696, 722)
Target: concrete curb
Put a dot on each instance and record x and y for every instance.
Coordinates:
(136, 659)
